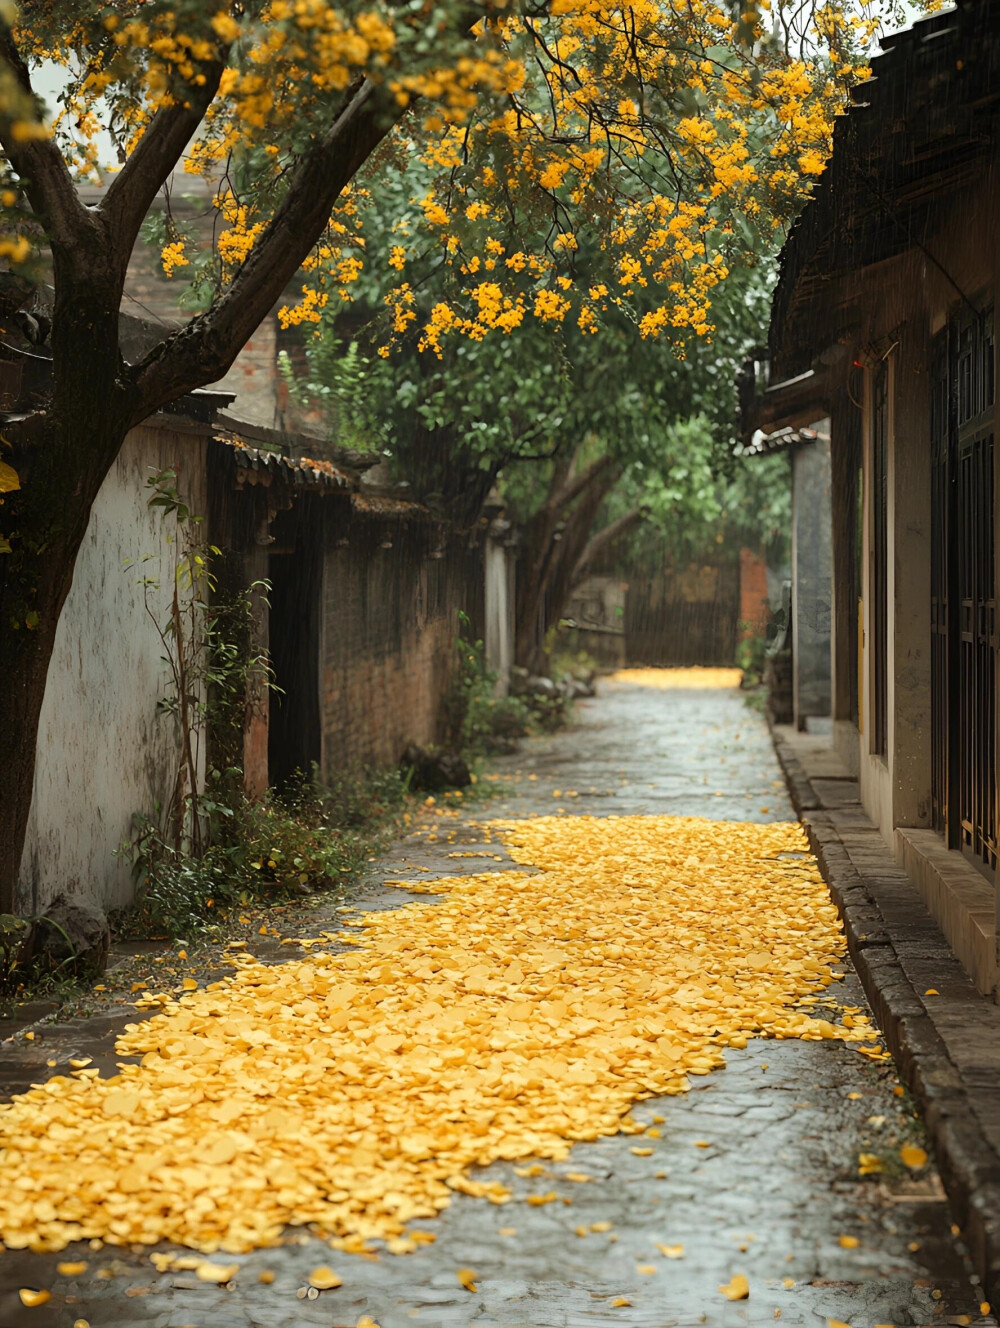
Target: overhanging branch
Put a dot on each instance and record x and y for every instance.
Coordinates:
(134, 188)
(203, 351)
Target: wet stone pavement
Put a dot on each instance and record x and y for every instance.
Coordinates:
(776, 1195)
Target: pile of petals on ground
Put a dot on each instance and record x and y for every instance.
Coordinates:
(508, 1017)
(687, 679)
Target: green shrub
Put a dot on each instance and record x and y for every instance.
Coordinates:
(309, 838)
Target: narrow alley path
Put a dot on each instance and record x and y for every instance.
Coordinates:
(752, 1173)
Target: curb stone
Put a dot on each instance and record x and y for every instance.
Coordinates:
(949, 1059)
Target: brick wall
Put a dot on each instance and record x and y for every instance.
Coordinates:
(392, 591)
(755, 609)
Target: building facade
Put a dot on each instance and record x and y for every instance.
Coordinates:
(882, 324)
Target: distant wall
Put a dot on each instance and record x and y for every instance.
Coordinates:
(103, 753)
(684, 615)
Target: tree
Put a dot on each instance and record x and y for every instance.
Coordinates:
(648, 135)
(558, 417)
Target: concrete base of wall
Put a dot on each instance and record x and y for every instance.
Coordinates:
(958, 898)
(845, 744)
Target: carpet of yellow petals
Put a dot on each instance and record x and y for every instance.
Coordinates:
(688, 679)
(507, 1017)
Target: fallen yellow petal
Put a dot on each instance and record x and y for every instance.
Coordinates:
(467, 1278)
(71, 1269)
(646, 1268)
(620, 1302)
(324, 1278)
(266, 1277)
(848, 1242)
(737, 1288)
(32, 1299)
(641, 1152)
(932, 991)
(216, 1272)
(671, 1251)
(913, 1156)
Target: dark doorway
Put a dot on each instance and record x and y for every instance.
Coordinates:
(296, 574)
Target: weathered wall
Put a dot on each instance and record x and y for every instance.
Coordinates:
(811, 576)
(103, 753)
(392, 589)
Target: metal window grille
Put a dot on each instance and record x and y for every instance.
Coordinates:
(963, 591)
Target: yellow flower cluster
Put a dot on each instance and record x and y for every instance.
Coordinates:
(308, 310)
(521, 119)
(172, 256)
(17, 248)
(516, 1014)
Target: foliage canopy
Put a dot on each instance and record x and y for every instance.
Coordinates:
(575, 158)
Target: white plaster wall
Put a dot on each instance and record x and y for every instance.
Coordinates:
(103, 752)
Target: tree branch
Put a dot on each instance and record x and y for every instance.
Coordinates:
(134, 188)
(203, 351)
(571, 489)
(603, 540)
(37, 161)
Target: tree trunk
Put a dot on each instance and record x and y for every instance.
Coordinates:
(555, 539)
(49, 515)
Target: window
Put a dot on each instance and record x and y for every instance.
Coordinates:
(880, 556)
